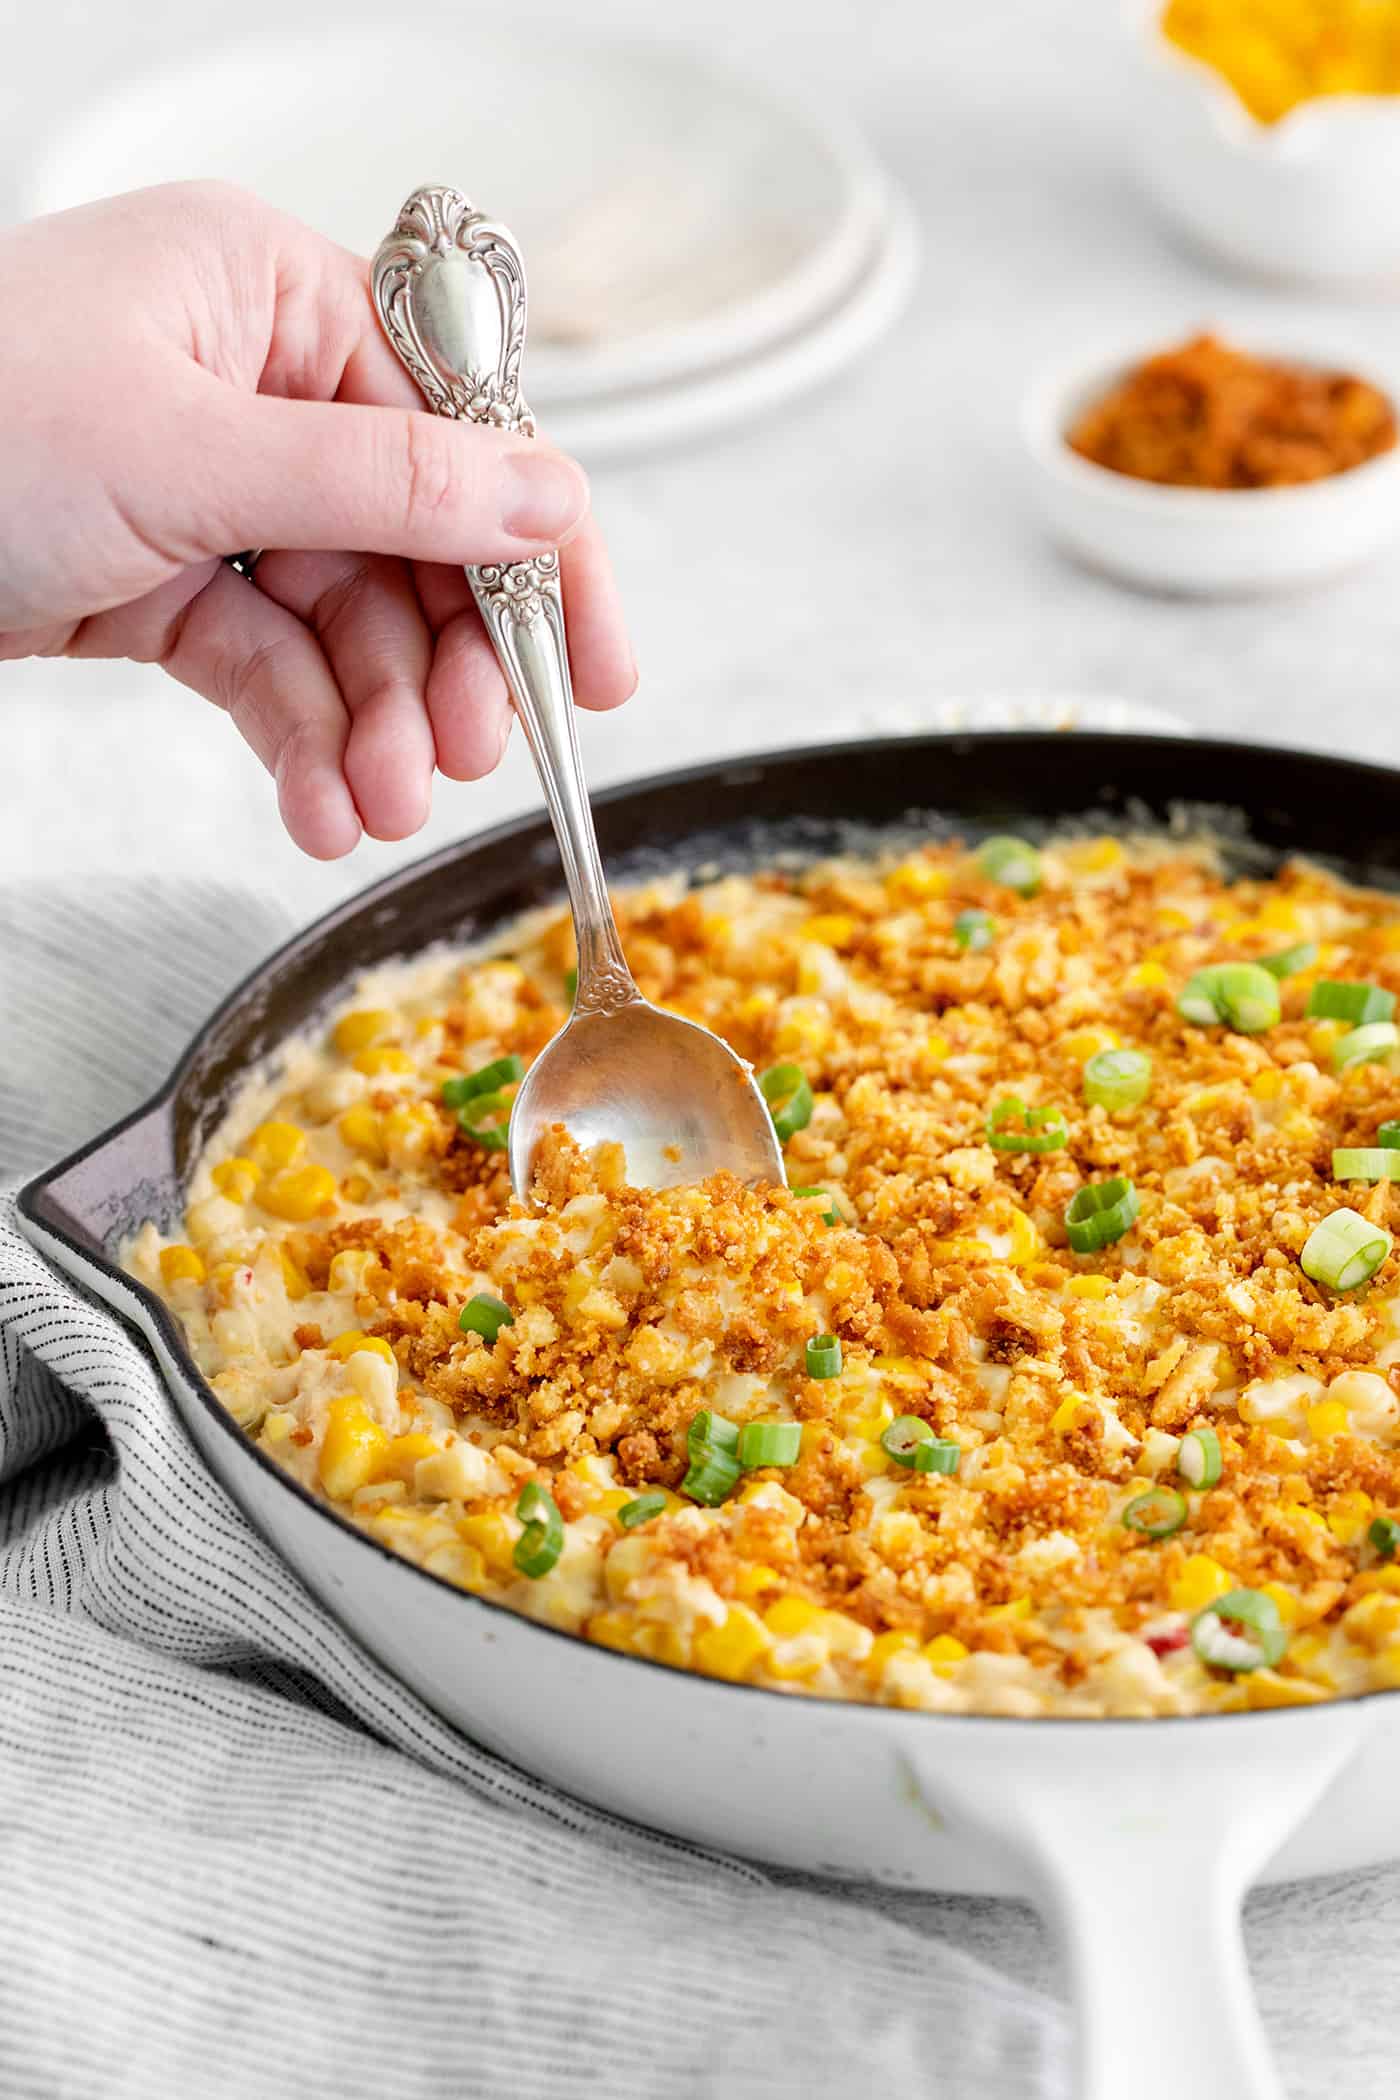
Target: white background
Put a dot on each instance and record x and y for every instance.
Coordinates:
(866, 552)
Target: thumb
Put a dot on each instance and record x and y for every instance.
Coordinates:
(328, 474)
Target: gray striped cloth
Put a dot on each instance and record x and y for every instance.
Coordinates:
(238, 1859)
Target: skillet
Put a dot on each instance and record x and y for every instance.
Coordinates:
(1139, 1837)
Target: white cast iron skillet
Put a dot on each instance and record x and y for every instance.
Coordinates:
(1139, 1837)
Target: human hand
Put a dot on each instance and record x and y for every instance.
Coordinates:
(188, 372)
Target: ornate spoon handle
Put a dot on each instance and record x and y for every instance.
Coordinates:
(449, 289)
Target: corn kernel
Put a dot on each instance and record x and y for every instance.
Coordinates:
(1286, 1602)
(352, 1340)
(359, 1128)
(1148, 977)
(1025, 1241)
(460, 1564)
(1093, 856)
(1265, 1688)
(1373, 1622)
(915, 880)
(1349, 1516)
(356, 1031)
(1199, 1582)
(490, 1532)
(355, 1189)
(1385, 1670)
(1266, 1086)
(235, 1178)
(1069, 1412)
(755, 1577)
(373, 1063)
(274, 1145)
(1326, 1418)
(294, 1276)
(180, 1264)
(663, 1644)
(298, 1193)
(402, 1456)
(1089, 1287)
(790, 1615)
(834, 929)
(885, 1645)
(1018, 1608)
(1378, 1579)
(945, 1652)
(731, 1650)
(1085, 1043)
(802, 1035)
(347, 1269)
(937, 1047)
(611, 1629)
(351, 1450)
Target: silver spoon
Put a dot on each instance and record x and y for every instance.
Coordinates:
(449, 288)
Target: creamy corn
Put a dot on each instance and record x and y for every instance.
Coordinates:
(344, 1217)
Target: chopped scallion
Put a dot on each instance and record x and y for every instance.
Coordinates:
(1012, 862)
(1158, 1513)
(542, 1541)
(1384, 1535)
(709, 1431)
(1331, 1000)
(1198, 1461)
(485, 1315)
(1289, 961)
(1013, 1127)
(1344, 1251)
(713, 1444)
(503, 1071)
(1372, 1044)
(824, 1356)
(903, 1437)
(1366, 1163)
(1100, 1212)
(1243, 1630)
(974, 929)
(1117, 1078)
(486, 1120)
(1389, 1134)
(641, 1509)
(936, 1454)
(789, 1096)
(769, 1444)
(1242, 995)
(830, 1213)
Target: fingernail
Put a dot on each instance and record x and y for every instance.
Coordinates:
(542, 495)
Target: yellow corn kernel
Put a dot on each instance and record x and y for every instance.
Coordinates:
(347, 1269)
(834, 929)
(936, 1048)
(1069, 1412)
(791, 1615)
(1385, 1670)
(403, 1454)
(1349, 1516)
(1266, 1086)
(181, 1265)
(1279, 915)
(406, 1126)
(1288, 1606)
(1265, 1688)
(356, 1031)
(611, 1629)
(945, 1651)
(355, 1189)
(916, 880)
(1326, 1418)
(1085, 1043)
(277, 1427)
(1323, 1034)
(275, 1145)
(359, 1128)
(236, 1178)
(663, 1644)
(352, 1449)
(757, 1005)
(294, 1275)
(1386, 938)
(731, 1649)
(802, 1034)
(385, 1058)
(1018, 1608)
(1148, 977)
(1200, 1581)
(1312, 1516)
(885, 1645)
(1089, 1287)
(755, 1577)
(460, 1564)
(1374, 1622)
(352, 1340)
(298, 1193)
(490, 1532)
(1026, 1242)
(1378, 1579)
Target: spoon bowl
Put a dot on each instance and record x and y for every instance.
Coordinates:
(676, 1098)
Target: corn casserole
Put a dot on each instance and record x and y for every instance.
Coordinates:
(1064, 1378)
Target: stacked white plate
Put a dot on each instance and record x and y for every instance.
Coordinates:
(697, 249)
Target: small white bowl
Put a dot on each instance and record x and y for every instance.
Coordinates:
(1314, 198)
(1202, 542)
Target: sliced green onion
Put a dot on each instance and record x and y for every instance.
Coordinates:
(831, 1214)
(1368, 1045)
(769, 1444)
(974, 929)
(1012, 1127)
(1242, 1630)
(1389, 1134)
(1100, 1212)
(485, 1315)
(1158, 1513)
(1242, 995)
(1198, 1460)
(789, 1098)
(641, 1509)
(1344, 1251)
(713, 1443)
(505, 1071)
(1012, 862)
(542, 1541)
(936, 1454)
(1289, 961)
(1117, 1078)
(1330, 1000)
(1366, 1163)
(486, 1120)
(902, 1439)
(824, 1356)
(1384, 1535)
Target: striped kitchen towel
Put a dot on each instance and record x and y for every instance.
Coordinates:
(237, 1859)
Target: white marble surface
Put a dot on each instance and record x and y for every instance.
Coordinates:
(869, 552)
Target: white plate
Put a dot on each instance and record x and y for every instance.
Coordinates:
(614, 426)
(672, 216)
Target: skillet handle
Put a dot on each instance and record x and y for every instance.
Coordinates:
(1141, 1840)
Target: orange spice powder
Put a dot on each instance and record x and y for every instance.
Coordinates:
(1207, 416)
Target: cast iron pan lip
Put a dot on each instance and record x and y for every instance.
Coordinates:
(32, 1201)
